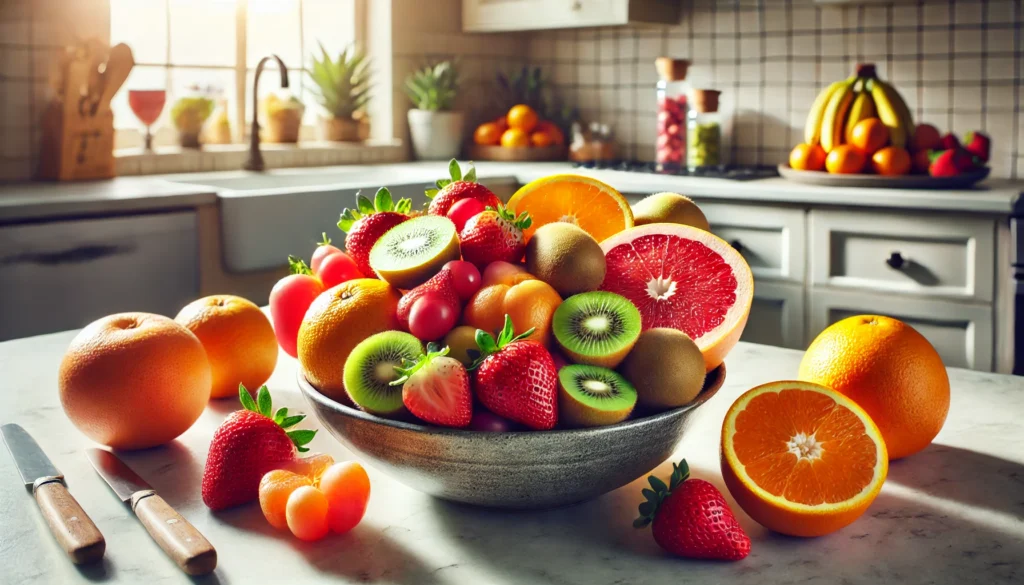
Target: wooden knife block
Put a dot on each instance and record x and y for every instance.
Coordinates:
(76, 147)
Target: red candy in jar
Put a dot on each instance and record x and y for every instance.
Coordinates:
(672, 110)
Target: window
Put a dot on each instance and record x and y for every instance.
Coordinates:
(213, 46)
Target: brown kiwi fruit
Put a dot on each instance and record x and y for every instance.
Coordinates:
(666, 367)
(669, 208)
(566, 257)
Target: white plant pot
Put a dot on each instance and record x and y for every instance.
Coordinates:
(435, 135)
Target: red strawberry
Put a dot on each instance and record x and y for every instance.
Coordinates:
(442, 284)
(493, 235)
(368, 222)
(978, 144)
(516, 379)
(435, 389)
(691, 518)
(950, 163)
(247, 445)
(949, 141)
(457, 188)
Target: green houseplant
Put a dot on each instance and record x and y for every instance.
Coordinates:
(343, 88)
(435, 129)
(188, 115)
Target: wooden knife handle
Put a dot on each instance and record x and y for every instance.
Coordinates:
(179, 539)
(70, 525)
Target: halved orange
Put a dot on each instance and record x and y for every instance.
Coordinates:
(801, 459)
(595, 207)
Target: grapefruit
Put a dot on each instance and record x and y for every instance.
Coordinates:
(684, 278)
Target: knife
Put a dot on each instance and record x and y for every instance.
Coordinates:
(70, 525)
(179, 539)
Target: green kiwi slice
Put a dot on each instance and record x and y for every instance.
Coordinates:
(370, 369)
(410, 253)
(591, 396)
(597, 328)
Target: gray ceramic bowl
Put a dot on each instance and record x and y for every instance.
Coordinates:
(510, 470)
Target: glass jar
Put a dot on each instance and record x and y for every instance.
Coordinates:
(704, 131)
(672, 92)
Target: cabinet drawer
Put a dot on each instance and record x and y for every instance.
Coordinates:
(777, 315)
(63, 275)
(771, 239)
(926, 255)
(961, 332)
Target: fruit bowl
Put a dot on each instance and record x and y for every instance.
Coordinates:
(822, 178)
(540, 469)
(500, 153)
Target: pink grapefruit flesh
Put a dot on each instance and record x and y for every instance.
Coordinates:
(684, 278)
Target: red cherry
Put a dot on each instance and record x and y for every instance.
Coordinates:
(466, 277)
(338, 268)
(431, 317)
(463, 211)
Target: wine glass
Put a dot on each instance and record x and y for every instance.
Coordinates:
(147, 104)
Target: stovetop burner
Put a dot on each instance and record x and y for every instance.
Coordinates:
(731, 172)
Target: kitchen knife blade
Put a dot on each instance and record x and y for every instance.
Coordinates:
(71, 526)
(175, 535)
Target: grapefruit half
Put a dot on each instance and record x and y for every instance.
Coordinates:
(685, 278)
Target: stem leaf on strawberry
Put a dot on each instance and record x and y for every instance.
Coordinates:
(301, 438)
(348, 217)
(246, 399)
(470, 176)
(410, 367)
(281, 414)
(365, 205)
(431, 193)
(297, 265)
(488, 345)
(658, 485)
(264, 403)
(290, 421)
(442, 183)
(404, 205)
(382, 201)
(454, 170)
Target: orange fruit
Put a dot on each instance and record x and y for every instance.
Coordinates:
(549, 127)
(238, 339)
(921, 161)
(595, 207)
(530, 303)
(801, 459)
(515, 138)
(807, 157)
(890, 370)
(891, 161)
(488, 133)
(275, 487)
(868, 136)
(522, 117)
(845, 159)
(336, 322)
(501, 122)
(541, 139)
(926, 137)
(134, 380)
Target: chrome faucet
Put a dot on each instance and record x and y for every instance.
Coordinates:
(255, 160)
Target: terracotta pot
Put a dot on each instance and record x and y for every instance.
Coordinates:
(189, 139)
(344, 129)
(283, 127)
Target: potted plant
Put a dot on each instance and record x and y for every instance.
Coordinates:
(188, 115)
(436, 131)
(283, 117)
(343, 86)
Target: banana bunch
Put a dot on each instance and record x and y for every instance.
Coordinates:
(841, 105)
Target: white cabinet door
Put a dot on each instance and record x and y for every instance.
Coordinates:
(961, 332)
(771, 239)
(777, 315)
(510, 15)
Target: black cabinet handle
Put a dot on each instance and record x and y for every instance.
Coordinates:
(895, 261)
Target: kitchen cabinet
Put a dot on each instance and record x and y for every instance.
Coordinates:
(518, 15)
(771, 239)
(776, 315)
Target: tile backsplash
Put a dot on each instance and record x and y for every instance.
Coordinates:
(957, 63)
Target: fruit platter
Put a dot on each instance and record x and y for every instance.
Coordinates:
(860, 133)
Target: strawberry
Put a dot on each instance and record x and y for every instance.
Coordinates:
(435, 388)
(516, 379)
(441, 284)
(248, 444)
(457, 188)
(691, 518)
(949, 141)
(492, 235)
(950, 163)
(978, 144)
(368, 222)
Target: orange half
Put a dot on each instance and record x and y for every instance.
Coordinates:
(802, 459)
(595, 207)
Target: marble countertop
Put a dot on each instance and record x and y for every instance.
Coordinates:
(952, 514)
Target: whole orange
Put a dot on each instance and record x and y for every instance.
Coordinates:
(487, 133)
(868, 136)
(891, 161)
(551, 129)
(807, 157)
(890, 370)
(336, 322)
(845, 159)
(530, 303)
(541, 139)
(926, 137)
(134, 380)
(515, 138)
(522, 117)
(238, 339)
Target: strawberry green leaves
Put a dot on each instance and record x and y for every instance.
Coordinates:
(455, 174)
(410, 367)
(297, 265)
(264, 405)
(489, 345)
(382, 201)
(521, 221)
(659, 491)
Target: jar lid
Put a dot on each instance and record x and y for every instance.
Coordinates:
(706, 100)
(671, 69)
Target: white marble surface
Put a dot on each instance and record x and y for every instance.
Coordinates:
(953, 514)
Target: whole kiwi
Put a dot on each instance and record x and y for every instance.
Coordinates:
(566, 257)
(666, 367)
(669, 208)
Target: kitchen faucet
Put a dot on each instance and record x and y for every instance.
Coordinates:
(255, 160)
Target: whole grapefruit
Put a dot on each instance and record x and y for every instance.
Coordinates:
(134, 380)
(336, 322)
(890, 370)
(238, 339)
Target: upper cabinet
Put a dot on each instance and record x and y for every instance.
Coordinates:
(514, 15)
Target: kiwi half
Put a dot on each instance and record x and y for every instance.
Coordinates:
(370, 369)
(410, 253)
(591, 396)
(596, 328)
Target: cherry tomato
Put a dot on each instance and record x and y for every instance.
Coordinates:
(431, 317)
(338, 268)
(289, 300)
(324, 250)
(306, 513)
(463, 211)
(487, 422)
(347, 488)
(466, 277)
